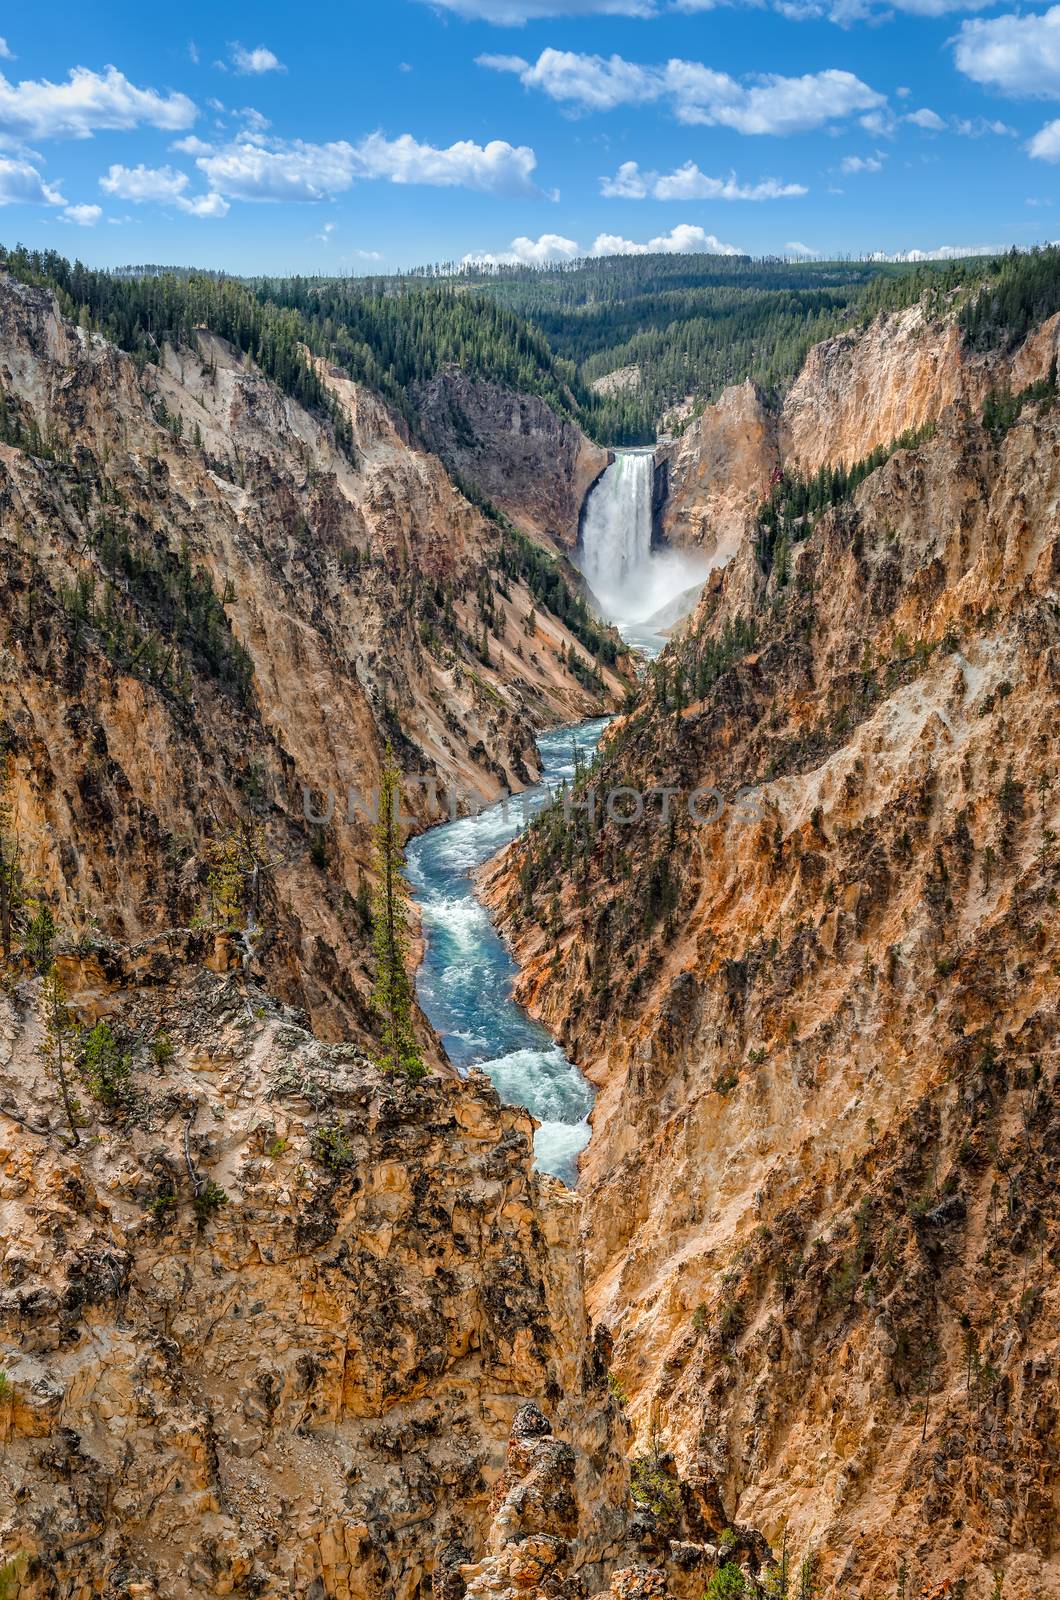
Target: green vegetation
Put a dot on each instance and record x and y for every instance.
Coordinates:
(1002, 408)
(104, 1067)
(178, 600)
(11, 895)
(726, 1584)
(693, 324)
(689, 324)
(796, 502)
(654, 1488)
(393, 986)
(142, 314)
(56, 1049)
(1021, 289)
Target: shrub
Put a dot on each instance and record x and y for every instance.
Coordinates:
(209, 1200)
(726, 1584)
(331, 1147)
(652, 1487)
(104, 1067)
(162, 1051)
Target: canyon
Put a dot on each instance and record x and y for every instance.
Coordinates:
(276, 1324)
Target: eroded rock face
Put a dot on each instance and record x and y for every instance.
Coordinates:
(718, 473)
(266, 1328)
(857, 391)
(820, 1194)
(514, 448)
(212, 616)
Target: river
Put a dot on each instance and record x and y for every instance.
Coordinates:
(465, 982)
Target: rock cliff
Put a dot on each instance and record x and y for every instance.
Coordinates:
(820, 1194)
(855, 393)
(514, 448)
(212, 612)
(266, 1327)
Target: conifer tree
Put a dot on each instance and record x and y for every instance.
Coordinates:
(393, 988)
(10, 872)
(56, 1046)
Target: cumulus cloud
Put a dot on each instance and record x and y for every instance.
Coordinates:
(1020, 55)
(685, 239)
(164, 186)
(83, 216)
(259, 169)
(6, 53)
(805, 252)
(687, 182)
(528, 252)
(1045, 146)
(87, 101)
(22, 184)
(696, 94)
(251, 63)
(851, 164)
(925, 118)
(143, 183)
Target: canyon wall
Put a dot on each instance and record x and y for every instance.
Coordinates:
(265, 1329)
(514, 448)
(855, 393)
(821, 1218)
(211, 610)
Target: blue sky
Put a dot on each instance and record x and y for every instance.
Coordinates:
(361, 137)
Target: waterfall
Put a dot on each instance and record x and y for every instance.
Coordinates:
(616, 531)
(629, 579)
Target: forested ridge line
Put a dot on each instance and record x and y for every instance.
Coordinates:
(689, 326)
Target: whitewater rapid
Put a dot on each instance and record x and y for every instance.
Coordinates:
(465, 982)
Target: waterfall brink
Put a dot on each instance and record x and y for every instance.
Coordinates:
(632, 582)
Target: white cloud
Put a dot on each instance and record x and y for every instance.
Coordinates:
(514, 13)
(528, 252)
(685, 239)
(22, 185)
(850, 164)
(795, 247)
(191, 146)
(84, 216)
(6, 53)
(251, 63)
(163, 185)
(257, 169)
(1045, 146)
(38, 109)
(696, 94)
(144, 183)
(944, 252)
(1018, 55)
(689, 183)
(204, 205)
(979, 127)
(925, 118)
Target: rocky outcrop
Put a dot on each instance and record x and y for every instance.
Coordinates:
(855, 393)
(717, 473)
(265, 1329)
(820, 1192)
(211, 612)
(514, 448)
